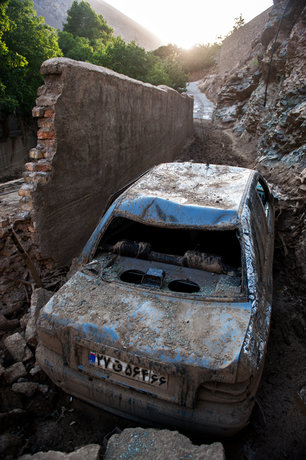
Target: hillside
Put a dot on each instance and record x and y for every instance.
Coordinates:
(54, 12)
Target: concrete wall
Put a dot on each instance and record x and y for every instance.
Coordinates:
(237, 47)
(17, 136)
(97, 131)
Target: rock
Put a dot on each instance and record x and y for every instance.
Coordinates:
(12, 418)
(10, 445)
(226, 114)
(39, 298)
(2, 370)
(14, 372)
(90, 452)
(35, 370)
(302, 394)
(153, 444)
(25, 388)
(17, 347)
(43, 389)
(238, 88)
(7, 324)
(24, 320)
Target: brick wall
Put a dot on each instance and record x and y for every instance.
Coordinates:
(97, 131)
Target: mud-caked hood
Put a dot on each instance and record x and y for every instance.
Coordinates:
(174, 329)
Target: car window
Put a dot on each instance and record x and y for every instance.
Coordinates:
(265, 199)
(179, 259)
(176, 241)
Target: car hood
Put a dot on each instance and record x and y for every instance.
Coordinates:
(172, 329)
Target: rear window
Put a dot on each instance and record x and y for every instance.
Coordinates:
(176, 241)
(203, 263)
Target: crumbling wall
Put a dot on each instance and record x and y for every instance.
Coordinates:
(97, 131)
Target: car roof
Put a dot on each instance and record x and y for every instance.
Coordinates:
(187, 193)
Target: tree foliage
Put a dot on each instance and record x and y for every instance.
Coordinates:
(239, 22)
(25, 42)
(83, 21)
(199, 57)
(87, 37)
(77, 48)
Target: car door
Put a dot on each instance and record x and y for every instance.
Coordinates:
(262, 223)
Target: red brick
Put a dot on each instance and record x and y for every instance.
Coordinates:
(26, 205)
(49, 113)
(46, 123)
(30, 166)
(39, 166)
(38, 112)
(46, 134)
(35, 154)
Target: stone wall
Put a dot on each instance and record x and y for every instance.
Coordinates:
(97, 131)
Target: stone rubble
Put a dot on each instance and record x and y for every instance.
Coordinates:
(14, 372)
(17, 347)
(90, 452)
(25, 388)
(153, 444)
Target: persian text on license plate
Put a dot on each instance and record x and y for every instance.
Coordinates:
(128, 370)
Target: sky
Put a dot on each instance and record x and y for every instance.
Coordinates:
(189, 22)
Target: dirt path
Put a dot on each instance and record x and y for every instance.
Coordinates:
(214, 145)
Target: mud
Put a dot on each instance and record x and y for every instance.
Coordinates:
(50, 419)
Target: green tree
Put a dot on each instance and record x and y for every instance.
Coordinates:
(9, 59)
(169, 51)
(239, 22)
(176, 75)
(87, 37)
(83, 21)
(200, 57)
(77, 48)
(128, 59)
(27, 42)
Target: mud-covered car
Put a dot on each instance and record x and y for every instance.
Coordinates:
(167, 319)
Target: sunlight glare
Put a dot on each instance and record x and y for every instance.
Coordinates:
(188, 23)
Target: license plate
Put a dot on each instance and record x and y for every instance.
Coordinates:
(129, 370)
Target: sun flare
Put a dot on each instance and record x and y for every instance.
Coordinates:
(188, 23)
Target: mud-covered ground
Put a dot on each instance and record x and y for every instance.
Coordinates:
(277, 429)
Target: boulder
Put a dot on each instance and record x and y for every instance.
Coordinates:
(25, 388)
(8, 324)
(17, 347)
(14, 372)
(90, 452)
(153, 444)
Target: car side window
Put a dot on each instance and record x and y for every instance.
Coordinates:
(265, 199)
